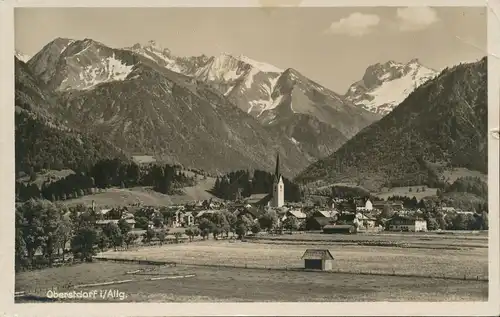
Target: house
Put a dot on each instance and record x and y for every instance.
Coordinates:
(392, 204)
(258, 199)
(366, 206)
(128, 215)
(448, 209)
(317, 223)
(347, 219)
(365, 221)
(253, 212)
(297, 214)
(324, 213)
(407, 223)
(102, 223)
(206, 214)
(347, 229)
(188, 219)
(318, 259)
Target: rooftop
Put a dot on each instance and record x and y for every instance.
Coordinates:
(317, 254)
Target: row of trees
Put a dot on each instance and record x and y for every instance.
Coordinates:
(104, 174)
(45, 231)
(245, 184)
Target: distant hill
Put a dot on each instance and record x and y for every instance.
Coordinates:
(146, 196)
(440, 126)
(43, 141)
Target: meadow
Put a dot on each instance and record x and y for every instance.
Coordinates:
(468, 262)
(234, 271)
(209, 284)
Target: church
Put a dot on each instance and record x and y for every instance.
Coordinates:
(278, 194)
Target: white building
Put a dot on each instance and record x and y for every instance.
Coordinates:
(368, 206)
(400, 223)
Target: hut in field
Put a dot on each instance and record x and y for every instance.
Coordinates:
(318, 259)
(347, 229)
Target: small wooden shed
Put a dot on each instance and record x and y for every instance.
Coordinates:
(318, 259)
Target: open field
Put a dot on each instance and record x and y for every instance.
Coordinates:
(443, 240)
(206, 284)
(145, 196)
(271, 270)
(405, 192)
(454, 174)
(469, 262)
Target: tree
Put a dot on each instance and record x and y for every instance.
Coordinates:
(31, 224)
(82, 243)
(432, 224)
(20, 246)
(157, 222)
(269, 220)
(142, 223)
(256, 228)
(64, 234)
(102, 240)
(177, 236)
(192, 232)
(291, 224)
(51, 220)
(130, 238)
(149, 235)
(484, 218)
(124, 226)
(161, 235)
(387, 212)
(206, 227)
(241, 229)
(114, 234)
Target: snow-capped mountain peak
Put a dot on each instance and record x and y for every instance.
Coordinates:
(384, 86)
(263, 67)
(21, 56)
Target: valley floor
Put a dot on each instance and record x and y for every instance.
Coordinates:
(253, 285)
(213, 271)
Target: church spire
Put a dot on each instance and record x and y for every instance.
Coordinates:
(277, 173)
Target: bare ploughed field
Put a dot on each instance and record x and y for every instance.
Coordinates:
(269, 271)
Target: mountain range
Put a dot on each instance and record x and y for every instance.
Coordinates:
(439, 126)
(42, 140)
(215, 113)
(147, 102)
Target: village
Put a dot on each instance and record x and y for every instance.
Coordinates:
(341, 216)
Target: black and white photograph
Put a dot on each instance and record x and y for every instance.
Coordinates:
(251, 154)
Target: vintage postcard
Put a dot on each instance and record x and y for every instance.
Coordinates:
(214, 155)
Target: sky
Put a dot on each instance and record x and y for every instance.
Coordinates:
(331, 45)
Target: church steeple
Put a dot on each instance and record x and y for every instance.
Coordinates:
(277, 173)
(278, 195)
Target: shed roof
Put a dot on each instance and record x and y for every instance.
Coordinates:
(317, 254)
(323, 221)
(338, 227)
(297, 213)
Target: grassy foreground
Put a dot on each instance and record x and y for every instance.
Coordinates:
(270, 270)
(247, 285)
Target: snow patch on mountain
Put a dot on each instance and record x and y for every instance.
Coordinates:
(263, 67)
(384, 86)
(109, 69)
(22, 57)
